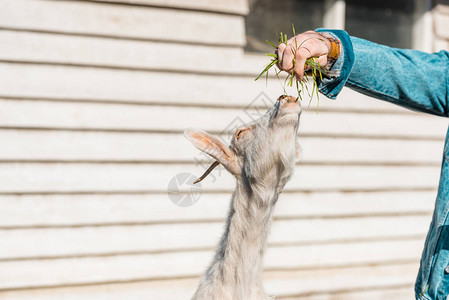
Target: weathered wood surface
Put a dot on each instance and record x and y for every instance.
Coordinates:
(301, 284)
(116, 53)
(48, 145)
(122, 238)
(441, 20)
(94, 98)
(101, 19)
(230, 6)
(84, 177)
(101, 84)
(25, 273)
(28, 211)
(69, 115)
(26, 47)
(400, 292)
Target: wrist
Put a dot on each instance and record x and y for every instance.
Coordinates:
(334, 46)
(334, 50)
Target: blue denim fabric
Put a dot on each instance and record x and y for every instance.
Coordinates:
(418, 81)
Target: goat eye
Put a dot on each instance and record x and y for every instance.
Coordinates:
(239, 133)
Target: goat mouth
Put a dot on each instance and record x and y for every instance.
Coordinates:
(290, 108)
(288, 104)
(288, 99)
(286, 107)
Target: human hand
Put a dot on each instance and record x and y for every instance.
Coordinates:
(298, 49)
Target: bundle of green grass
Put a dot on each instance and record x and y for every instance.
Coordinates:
(314, 70)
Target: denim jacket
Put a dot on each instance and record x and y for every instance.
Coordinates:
(418, 81)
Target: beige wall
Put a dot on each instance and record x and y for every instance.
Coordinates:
(440, 23)
(94, 98)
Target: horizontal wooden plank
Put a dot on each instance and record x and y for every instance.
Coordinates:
(85, 116)
(297, 257)
(375, 276)
(69, 177)
(177, 289)
(48, 242)
(75, 210)
(440, 15)
(124, 85)
(234, 6)
(441, 7)
(89, 18)
(440, 44)
(70, 82)
(82, 50)
(38, 47)
(394, 292)
(341, 150)
(14, 274)
(113, 146)
(301, 283)
(441, 21)
(184, 288)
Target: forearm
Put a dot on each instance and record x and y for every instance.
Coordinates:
(409, 78)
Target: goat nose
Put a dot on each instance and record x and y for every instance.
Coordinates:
(289, 99)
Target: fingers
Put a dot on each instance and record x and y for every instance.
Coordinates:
(307, 45)
(280, 53)
(287, 58)
(316, 47)
(302, 54)
(309, 48)
(322, 60)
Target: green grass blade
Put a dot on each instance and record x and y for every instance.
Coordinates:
(294, 35)
(266, 79)
(270, 43)
(272, 63)
(292, 76)
(314, 73)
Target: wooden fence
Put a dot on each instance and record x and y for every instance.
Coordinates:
(94, 97)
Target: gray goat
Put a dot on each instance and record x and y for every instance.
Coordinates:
(262, 158)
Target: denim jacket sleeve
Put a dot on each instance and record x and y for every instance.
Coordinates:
(410, 78)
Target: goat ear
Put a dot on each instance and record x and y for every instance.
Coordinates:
(210, 145)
